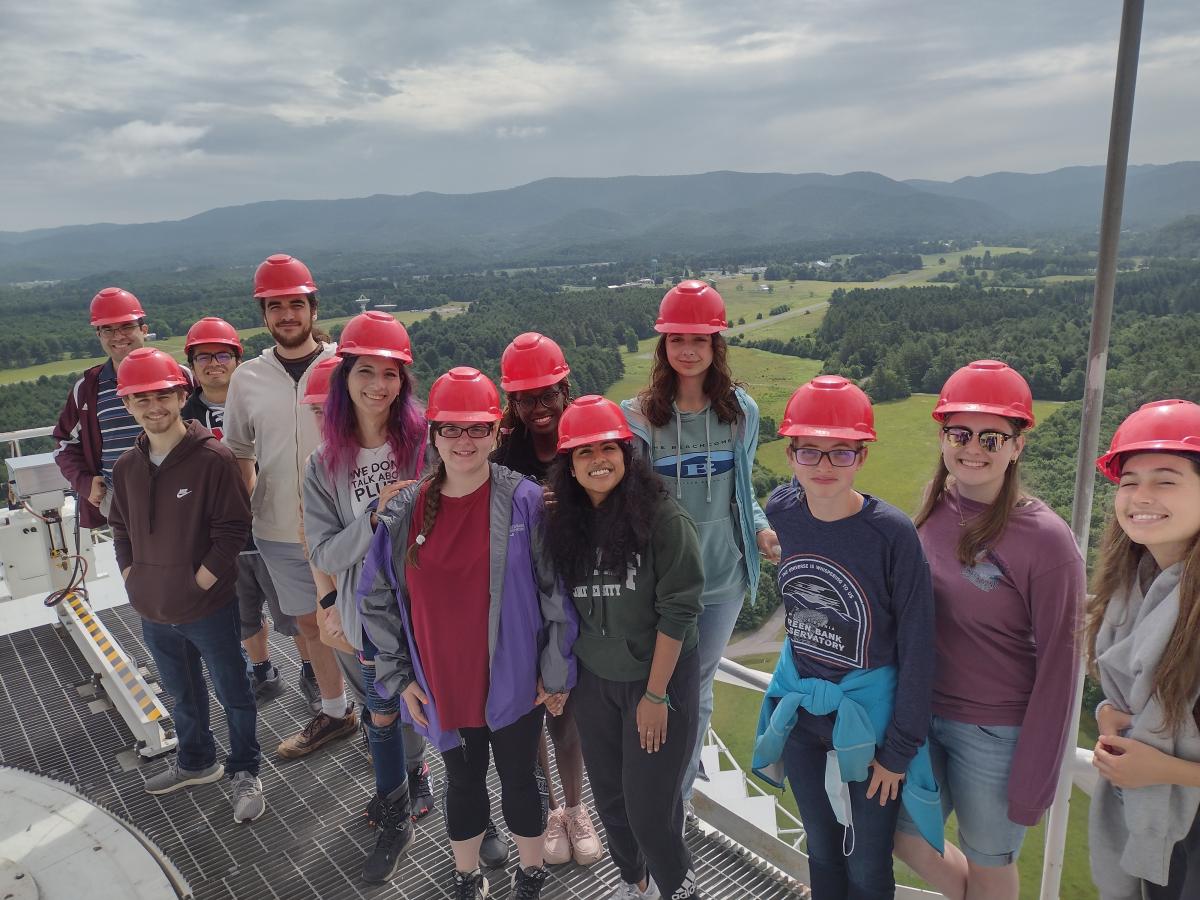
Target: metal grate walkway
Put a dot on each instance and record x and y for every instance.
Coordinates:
(312, 840)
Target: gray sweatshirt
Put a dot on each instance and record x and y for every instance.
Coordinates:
(1132, 833)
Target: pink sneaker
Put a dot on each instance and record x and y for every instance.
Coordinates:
(558, 843)
(585, 843)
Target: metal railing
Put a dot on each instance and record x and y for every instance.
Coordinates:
(14, 438)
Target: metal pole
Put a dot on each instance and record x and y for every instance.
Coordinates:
(1093, 395)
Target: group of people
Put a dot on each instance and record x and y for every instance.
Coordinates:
(495, 578)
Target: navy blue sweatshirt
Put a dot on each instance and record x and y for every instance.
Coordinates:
(857, 595)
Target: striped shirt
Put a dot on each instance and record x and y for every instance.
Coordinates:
(118, 430)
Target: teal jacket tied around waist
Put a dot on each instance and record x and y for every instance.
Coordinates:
(863, 702)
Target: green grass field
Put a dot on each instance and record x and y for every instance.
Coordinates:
(784, 327)
(174, 346)
(735, 713)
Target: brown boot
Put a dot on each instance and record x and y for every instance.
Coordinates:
(317, 733)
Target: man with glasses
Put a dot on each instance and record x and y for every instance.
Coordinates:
(213, 352)
(94, 428)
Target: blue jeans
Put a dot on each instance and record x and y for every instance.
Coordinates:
(716, 626)
(864, 874)
(387, 746)
(178, 651)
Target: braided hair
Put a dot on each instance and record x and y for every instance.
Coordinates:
(432, 489)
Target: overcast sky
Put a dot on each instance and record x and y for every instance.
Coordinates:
(128, 111)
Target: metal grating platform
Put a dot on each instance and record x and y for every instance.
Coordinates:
(312, 840)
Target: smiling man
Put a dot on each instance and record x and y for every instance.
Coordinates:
(272, 436)
(180, 516)
(94, 428)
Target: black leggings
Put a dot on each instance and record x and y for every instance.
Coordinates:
(1184, 879)
(515, 747)
(639, 795)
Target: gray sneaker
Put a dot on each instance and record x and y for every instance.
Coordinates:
(268, 688)
(173, 778)
(248, 800)
(627, 891)
(311, 691)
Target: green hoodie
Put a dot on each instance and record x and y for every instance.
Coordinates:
(621, 614)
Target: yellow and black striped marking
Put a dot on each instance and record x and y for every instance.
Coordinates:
(151, 708)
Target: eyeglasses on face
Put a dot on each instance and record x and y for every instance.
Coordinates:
(549, 399)
(224, 358)
(811, 456)
(111, 330)
(990, 441)
(478, 430)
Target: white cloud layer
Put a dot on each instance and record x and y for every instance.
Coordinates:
(132, 111)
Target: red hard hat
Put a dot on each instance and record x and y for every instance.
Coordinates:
(211, 330)
(532, 361)
(590, 419)
(463, 395)
(147, 369)
(281, 275)
(115, 305)
(375, 333)
(1159, 427)
(829, 406)
(691, 307)
(316, 389)
(986, 386)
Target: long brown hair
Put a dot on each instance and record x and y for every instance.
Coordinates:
(1178, 671)
(983, 530)
(656, 399)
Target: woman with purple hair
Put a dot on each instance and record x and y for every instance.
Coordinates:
(374, 439)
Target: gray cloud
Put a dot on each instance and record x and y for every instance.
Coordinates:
(135, 111)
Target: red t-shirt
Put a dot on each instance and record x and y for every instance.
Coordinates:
(449, 595)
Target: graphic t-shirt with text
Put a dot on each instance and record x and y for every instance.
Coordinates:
(373, 469)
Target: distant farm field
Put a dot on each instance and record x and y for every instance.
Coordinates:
(174, 346)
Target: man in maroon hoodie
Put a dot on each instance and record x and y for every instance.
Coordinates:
(180, 516)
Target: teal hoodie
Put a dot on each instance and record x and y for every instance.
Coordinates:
(749, 515)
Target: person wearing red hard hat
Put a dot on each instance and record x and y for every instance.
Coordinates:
(180, 516)
(94, 428)
(1008, 581)
(858, 612)
(213, 351)
(1141, 637)
(534, 376)
(630, 556)
(700, 430)
(373, 445)
(472, 629)
(272, 437)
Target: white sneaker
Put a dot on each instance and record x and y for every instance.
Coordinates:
(627, 891)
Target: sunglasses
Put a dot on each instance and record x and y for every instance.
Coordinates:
(811, 456)
(990, 441)
(223, 358)
(549, 399)
(479, 430)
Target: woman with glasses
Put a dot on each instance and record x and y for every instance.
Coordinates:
(533, 374)
(1008, 583)
(847, 710)
(473, 630)
(373, 443)
(699, 430)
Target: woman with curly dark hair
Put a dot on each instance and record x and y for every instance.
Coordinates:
(630, 557)
(699, 429)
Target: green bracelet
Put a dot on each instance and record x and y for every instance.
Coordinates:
(654, 698)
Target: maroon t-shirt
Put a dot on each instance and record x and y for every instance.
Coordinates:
(450, 599)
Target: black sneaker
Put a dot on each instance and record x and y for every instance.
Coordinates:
(420, 789)
(394, 837)
(374, 811)
(493, 852)
(470, 886)
(268, 688)
(527, 883)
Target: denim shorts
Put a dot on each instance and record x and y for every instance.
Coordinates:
(972, 764)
